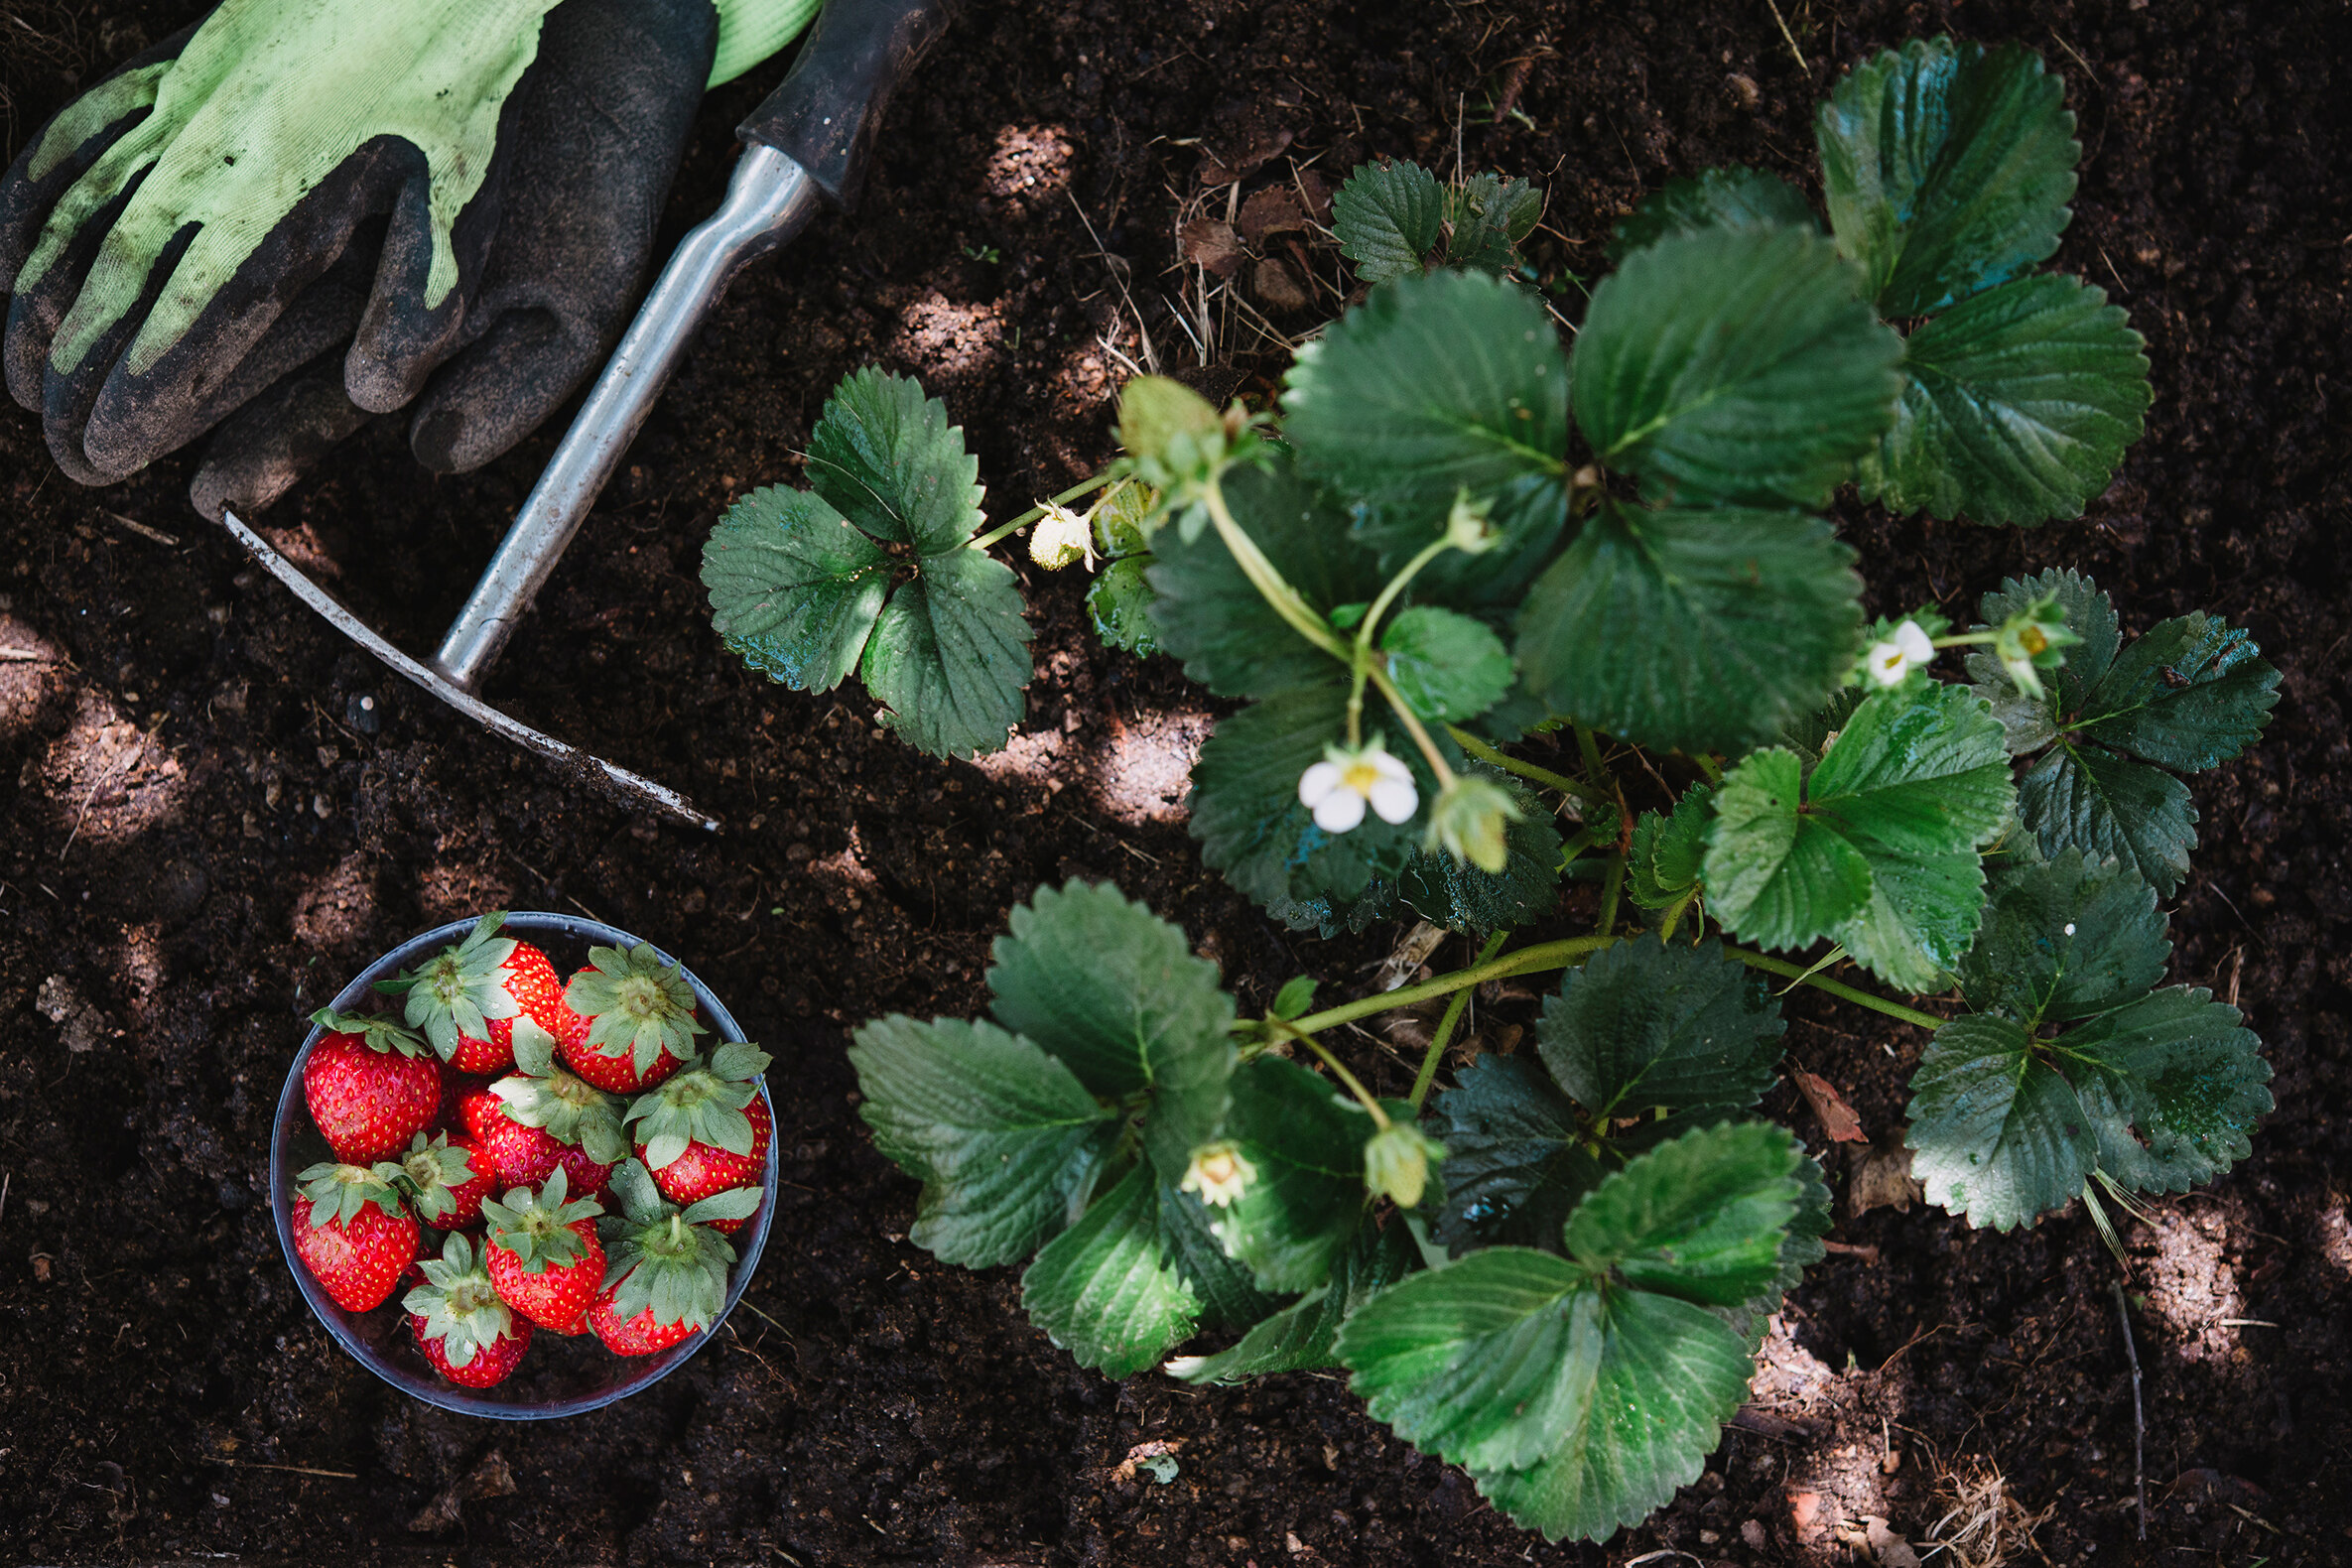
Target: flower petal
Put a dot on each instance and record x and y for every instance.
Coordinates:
(1339, 810)
(1316, 784)
(1914, 643)
(1395, 800)
(1886, 663)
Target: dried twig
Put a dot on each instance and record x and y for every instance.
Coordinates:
(2122, 1315)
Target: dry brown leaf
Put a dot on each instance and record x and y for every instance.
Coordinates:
(1273, 210)
(1837, 1118)
(1879, 1177)
(1212, 243)
(1889, 1549)
(1278, 285)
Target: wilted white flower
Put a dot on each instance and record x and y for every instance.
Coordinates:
(1220, 1173)
(1911, 648)
(1061, 537)
(1338, 788)
(1470, 820)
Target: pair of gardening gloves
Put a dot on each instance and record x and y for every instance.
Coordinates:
(298, 214)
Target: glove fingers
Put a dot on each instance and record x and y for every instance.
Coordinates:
(500, 388)
(275, 438)
(320, 318)
(75, 139)
(582, 200)
(400, 341)
(141, 412)
(35, 311)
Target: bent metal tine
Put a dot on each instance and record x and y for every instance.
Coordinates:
(769, 199)
(473, 707)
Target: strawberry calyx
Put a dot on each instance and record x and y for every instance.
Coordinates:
(664, 1258)
(459, 1305)
(377, 1031)
(542, 1093)
(457, 991)
(339, 1192)
(636, 1006)
(429, 1174)
(701, 1105)
(536, 1227)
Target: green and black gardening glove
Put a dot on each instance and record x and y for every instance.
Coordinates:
(300, 213)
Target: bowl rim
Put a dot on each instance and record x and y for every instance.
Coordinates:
(292, 1103)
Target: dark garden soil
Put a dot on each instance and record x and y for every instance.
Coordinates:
(208, 832)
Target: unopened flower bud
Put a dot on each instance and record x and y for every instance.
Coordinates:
(1397, 1162)
(1470, 820)
(1467, 529)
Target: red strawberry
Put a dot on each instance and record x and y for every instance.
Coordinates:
(638, 1017)
(446, 1180)
(544, 1255)
(468, 1333)
(369, 1086)
(352, 1235)
(669, 1268)
(637, 1336)
(542, 1115)
(466, 997)
(707, 1129)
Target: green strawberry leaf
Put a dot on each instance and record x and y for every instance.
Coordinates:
(2188, 696)
(2090, 799)
(1229, 1297)
(795, 590)
(1735, 366)
(1489, 216)
(2064, 939)
(1996, 1133)
(1208, 613)
(1390, 217)
(886, 457)
(1005, 1138)
(1714, 198)
(1947, 169)
(1119, 606)
(950, 656)
(2016, 406)
(1434, 386)
(1878, 848)
(1252, 825)
(1300, 1337)
(1692, 628)
(1107, 1290)
(1449, 666)
(1516, 1157)
(1460, 896)
(2032, 722)
(1115, 993)
(1665, 1378)
(1644, 1026)
(1304, 1140)
(1663, 862)
(2172, 1083)
(1702, 1217)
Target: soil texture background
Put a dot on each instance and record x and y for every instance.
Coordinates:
(216, 811)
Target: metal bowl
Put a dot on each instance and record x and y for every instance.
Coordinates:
(559, 1374)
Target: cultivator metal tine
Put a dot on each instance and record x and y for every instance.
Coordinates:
(634, 785)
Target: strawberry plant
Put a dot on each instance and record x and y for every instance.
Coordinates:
(1479, 597)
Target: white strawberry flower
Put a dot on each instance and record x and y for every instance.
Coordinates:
(1219, 1173)
(1338, 788)
(1909, 649)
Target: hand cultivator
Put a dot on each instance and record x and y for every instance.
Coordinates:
(810, 141)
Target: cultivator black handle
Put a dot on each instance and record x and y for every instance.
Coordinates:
(828, 113)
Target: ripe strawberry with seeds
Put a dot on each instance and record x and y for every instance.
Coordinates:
(543, 1116)
(707, 1129)
(445, 1181)
(371, 1086)
(466, 997)
(667, 1278)
(351, 1233)
(544, 1255)
(465, 1328)
(640, 1019)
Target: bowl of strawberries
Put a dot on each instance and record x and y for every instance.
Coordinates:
(515, 1194)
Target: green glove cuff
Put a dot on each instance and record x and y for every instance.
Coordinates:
(749, 31)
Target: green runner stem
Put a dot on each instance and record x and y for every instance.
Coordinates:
(1445, 1025)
